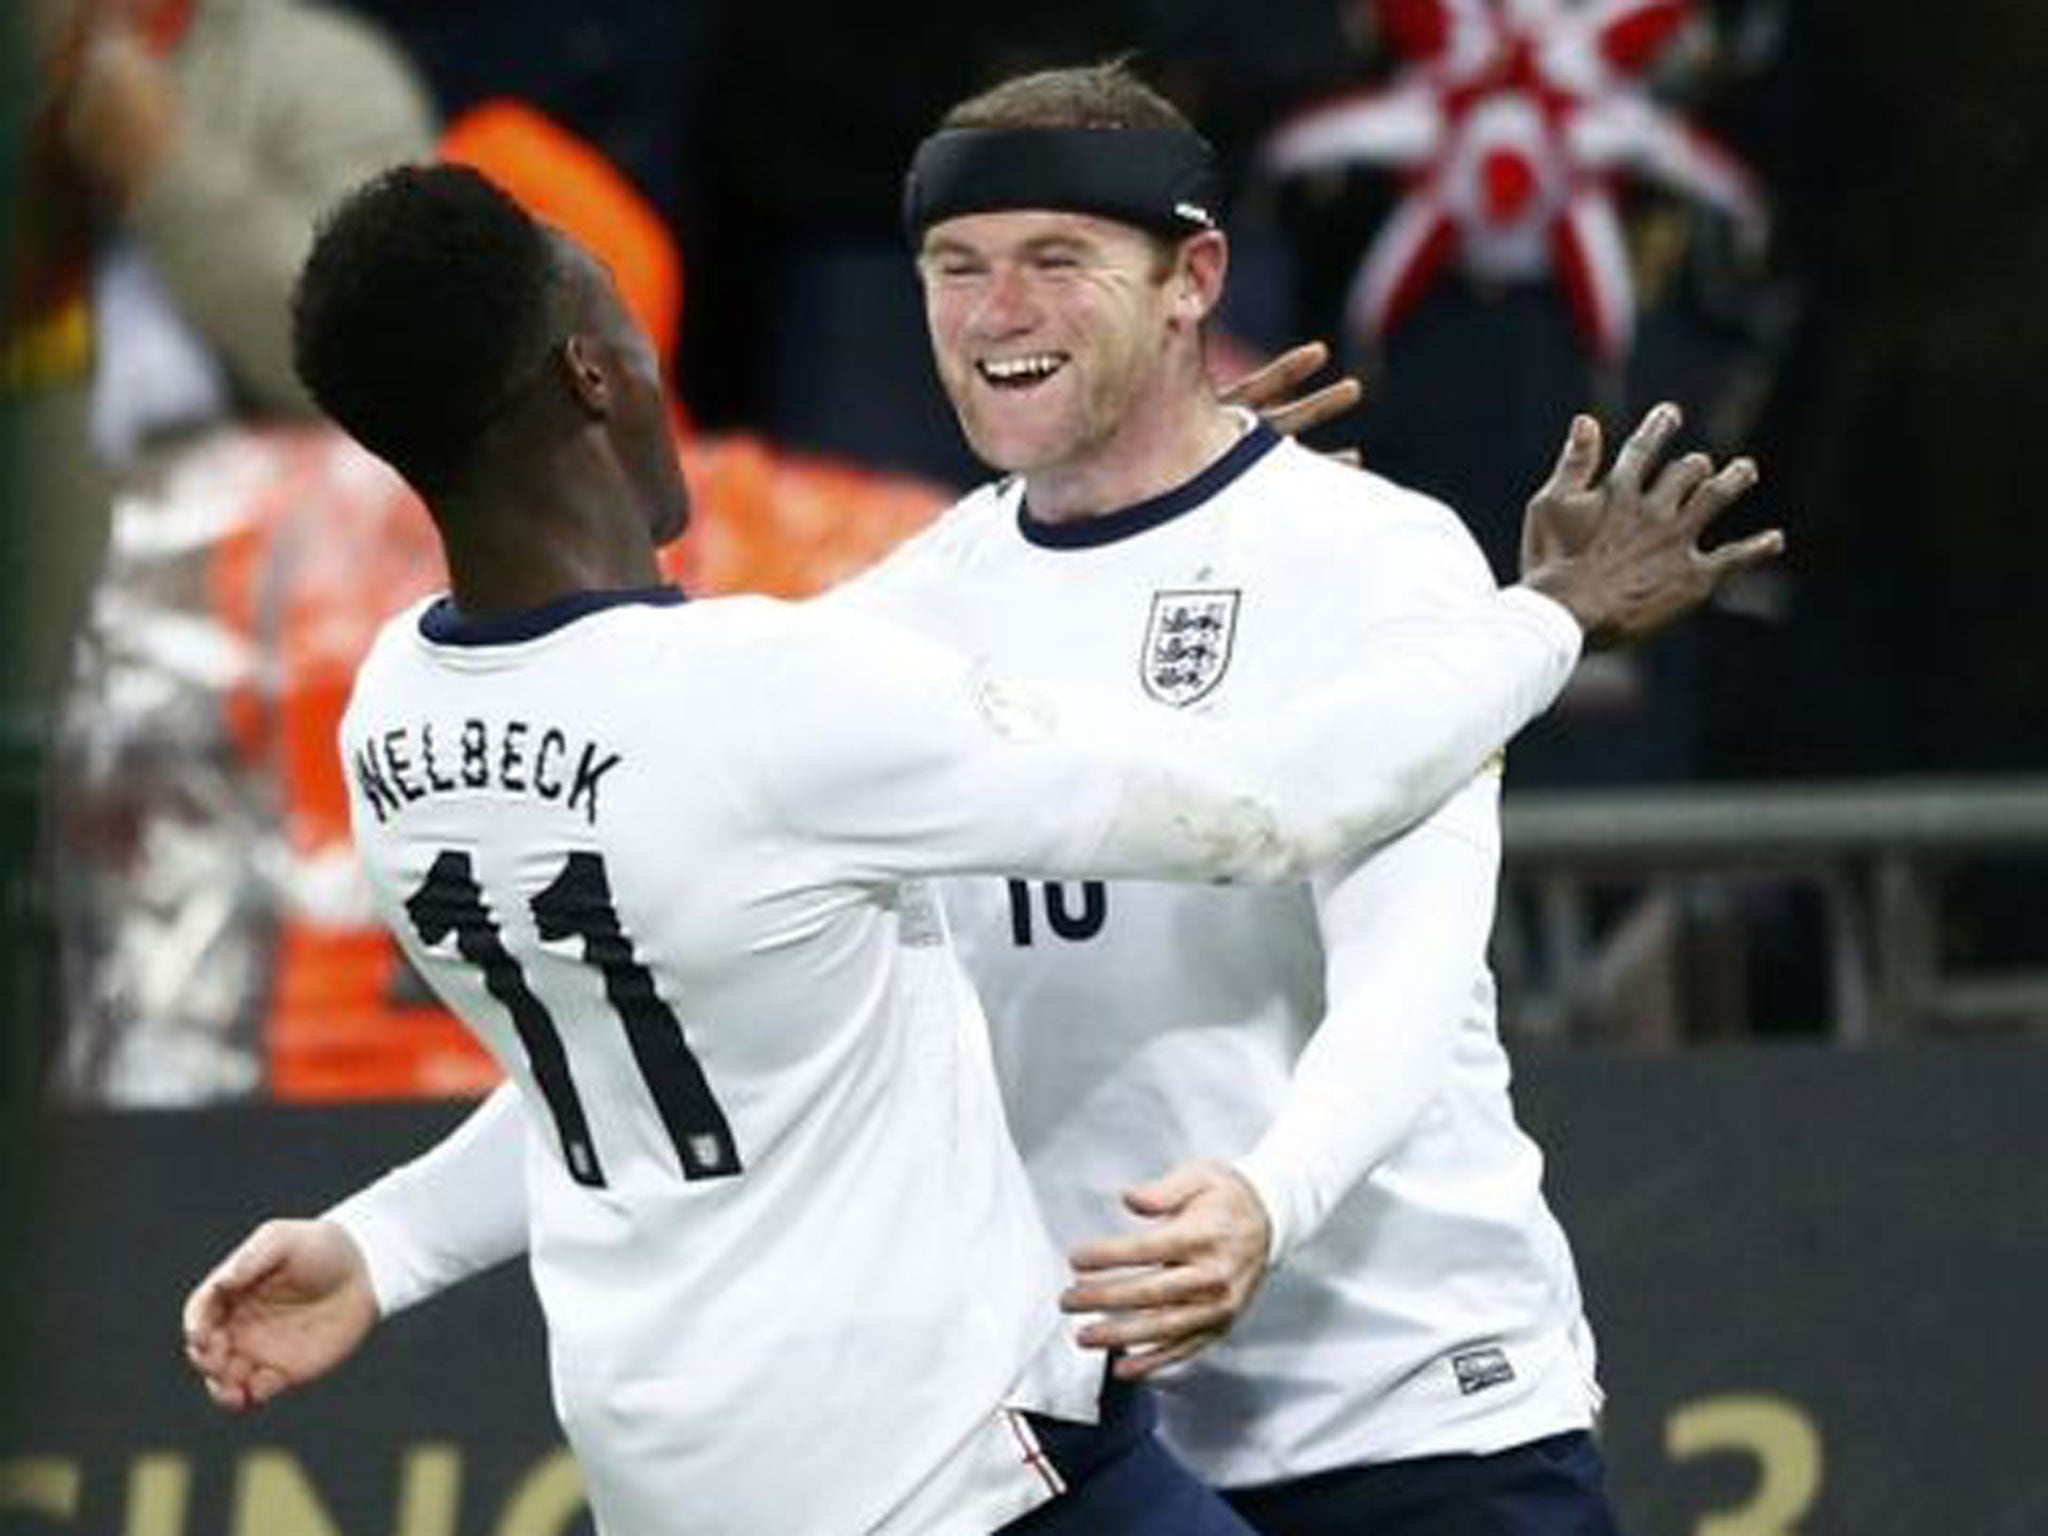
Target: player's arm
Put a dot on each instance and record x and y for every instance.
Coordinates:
(1404, 937)
(456, 1210)
(1404, 934)
(882, 756)
(296, 1298)
(900, 760)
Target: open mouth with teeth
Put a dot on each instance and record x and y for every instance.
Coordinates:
(1018, 373)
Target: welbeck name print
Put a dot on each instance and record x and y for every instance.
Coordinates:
(397, 766)
(1187, 643)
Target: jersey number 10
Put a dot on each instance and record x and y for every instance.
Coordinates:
(1073, 920)
(577, 904)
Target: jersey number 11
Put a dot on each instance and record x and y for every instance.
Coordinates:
(577, 904)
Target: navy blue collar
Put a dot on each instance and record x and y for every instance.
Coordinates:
(1085, 532)
(445, 624)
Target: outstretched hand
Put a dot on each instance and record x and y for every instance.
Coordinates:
(1164, 1294)
(1626, 559)
(287, 1306)
(1271, 392)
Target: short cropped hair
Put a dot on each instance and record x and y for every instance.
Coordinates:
(1105, 95)
(430, 296)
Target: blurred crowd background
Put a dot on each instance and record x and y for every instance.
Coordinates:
(1818, 225)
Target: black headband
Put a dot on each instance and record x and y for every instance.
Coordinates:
(1161, 179)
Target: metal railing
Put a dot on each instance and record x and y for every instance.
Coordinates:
(1877, 853)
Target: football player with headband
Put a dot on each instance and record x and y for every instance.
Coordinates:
(791, 1272)
(1417, 1353)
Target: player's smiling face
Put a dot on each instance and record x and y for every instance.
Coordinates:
(1050, 331)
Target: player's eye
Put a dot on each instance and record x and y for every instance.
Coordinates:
(950, 264)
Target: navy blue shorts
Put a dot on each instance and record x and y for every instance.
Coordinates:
(1550, 1487)
(1120, 1480)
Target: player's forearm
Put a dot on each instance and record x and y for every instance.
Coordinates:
(1406, 938)
(455, 1211)
(881, 755)
(1330, 1134)
(1270, 796)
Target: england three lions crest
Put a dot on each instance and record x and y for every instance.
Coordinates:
(1187, 644)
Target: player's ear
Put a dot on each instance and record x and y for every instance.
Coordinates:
(1200, 267)
(583, 368)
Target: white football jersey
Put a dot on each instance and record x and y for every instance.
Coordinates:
(1435, 1308)
(665, 859)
